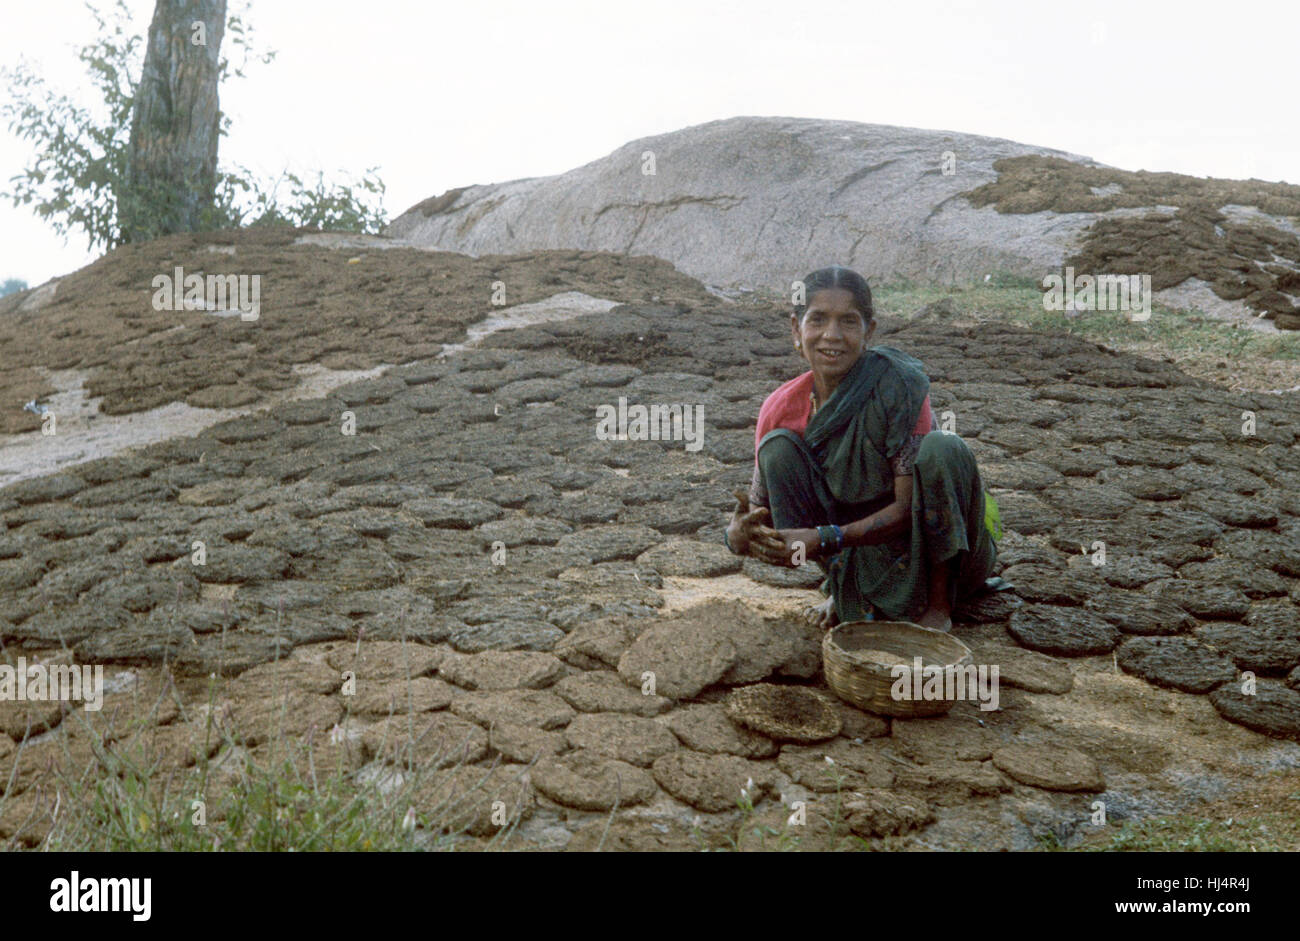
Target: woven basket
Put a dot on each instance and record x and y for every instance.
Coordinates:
(866, 681)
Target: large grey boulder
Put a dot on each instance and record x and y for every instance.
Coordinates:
(756, 202)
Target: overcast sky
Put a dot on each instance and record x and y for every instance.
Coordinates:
(442, 94)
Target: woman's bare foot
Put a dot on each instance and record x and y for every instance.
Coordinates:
(937, 619)
(822, 615)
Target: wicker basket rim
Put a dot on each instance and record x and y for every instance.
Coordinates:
(866, 684)
(931, 642)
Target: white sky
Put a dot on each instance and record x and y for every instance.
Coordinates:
(443, 94)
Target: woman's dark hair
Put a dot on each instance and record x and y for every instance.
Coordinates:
(845, 279)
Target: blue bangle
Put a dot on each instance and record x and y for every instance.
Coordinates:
(831, 539)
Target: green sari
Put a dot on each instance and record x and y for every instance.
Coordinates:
(866, 422)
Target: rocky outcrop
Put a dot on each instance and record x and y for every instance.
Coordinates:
(756, 202)
(759, 201)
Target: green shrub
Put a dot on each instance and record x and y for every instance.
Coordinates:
(77, 177)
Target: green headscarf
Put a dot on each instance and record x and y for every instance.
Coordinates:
(868, 419)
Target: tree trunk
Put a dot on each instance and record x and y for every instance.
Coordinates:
(172, 162)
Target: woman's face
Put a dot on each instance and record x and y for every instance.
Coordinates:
(832, 334)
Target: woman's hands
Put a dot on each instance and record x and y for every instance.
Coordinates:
(749, 533)
(745, 524)
(788, 552)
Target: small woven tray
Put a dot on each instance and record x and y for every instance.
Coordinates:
(784, 713)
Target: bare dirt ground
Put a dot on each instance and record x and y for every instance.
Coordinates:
(533, 569)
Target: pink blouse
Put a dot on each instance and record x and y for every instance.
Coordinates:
(790, 406)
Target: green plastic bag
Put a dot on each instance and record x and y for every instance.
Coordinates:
(992, 518)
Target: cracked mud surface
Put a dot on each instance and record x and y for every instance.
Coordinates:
(475, 536)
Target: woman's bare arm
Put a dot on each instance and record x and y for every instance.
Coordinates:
(885, 523)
